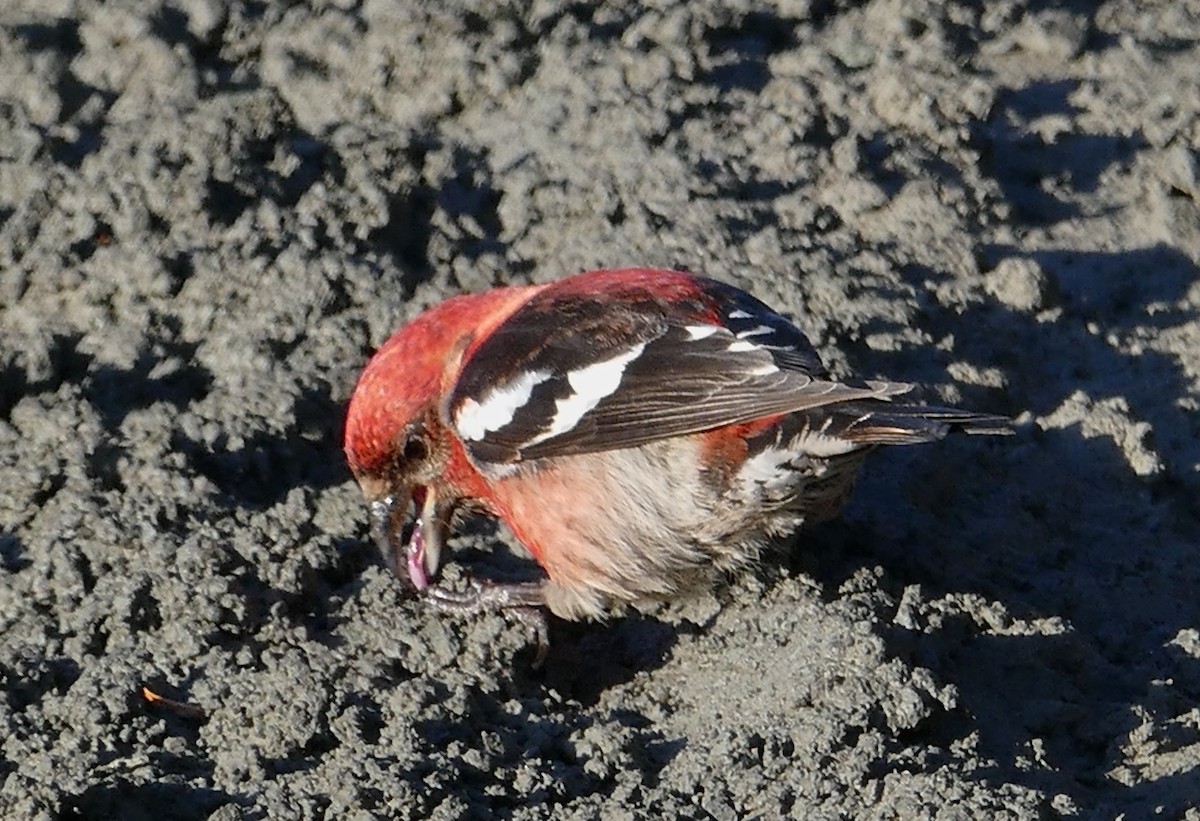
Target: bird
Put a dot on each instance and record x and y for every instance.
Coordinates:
(639, 431)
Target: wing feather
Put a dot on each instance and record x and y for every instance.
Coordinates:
(620, 373)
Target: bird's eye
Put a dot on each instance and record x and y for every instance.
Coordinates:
(415, 449)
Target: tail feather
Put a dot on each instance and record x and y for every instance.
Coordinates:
(883, 423)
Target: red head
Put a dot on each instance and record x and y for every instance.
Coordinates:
(396, 437)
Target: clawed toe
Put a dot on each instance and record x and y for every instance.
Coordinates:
(524, 601)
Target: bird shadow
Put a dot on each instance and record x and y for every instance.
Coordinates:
(1086, 549)
(586, 658)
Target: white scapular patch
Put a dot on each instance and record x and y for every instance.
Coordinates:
(756, 331)
(475, 419)
(739, 314)
(589, 386)
(701, 331)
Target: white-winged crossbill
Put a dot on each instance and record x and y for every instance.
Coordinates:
(635, 429)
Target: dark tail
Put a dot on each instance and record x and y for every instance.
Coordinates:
(874, 422)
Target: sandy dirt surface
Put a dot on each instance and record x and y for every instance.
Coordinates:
(211, 212)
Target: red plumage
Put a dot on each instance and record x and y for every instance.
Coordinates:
(636, 429)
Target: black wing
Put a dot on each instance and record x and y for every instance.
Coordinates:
(572, 373)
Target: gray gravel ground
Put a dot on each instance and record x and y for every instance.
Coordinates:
(211, 212)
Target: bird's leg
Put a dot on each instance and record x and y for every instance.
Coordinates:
(524, 601)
